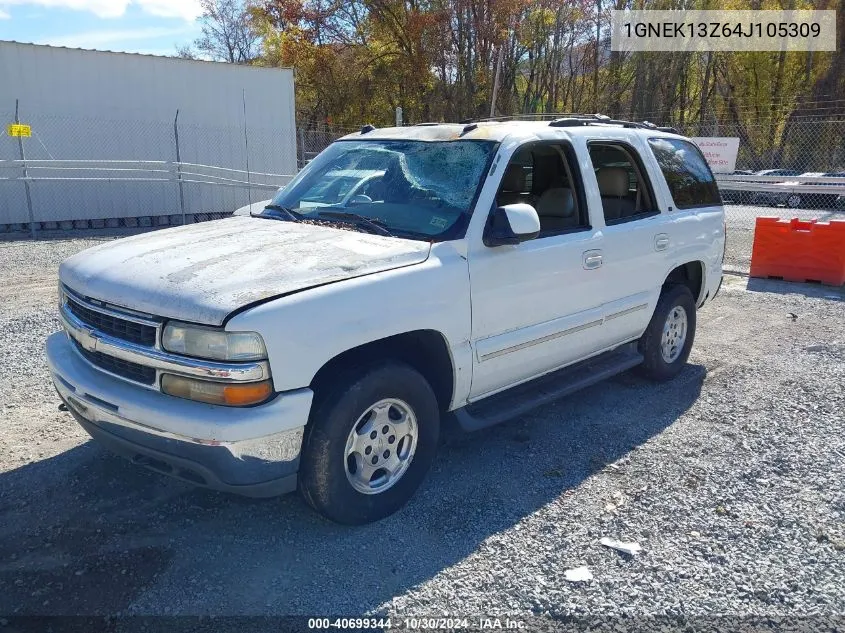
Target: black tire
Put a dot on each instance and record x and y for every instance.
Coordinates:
(323, 480)
(654, 366)
(793, 201)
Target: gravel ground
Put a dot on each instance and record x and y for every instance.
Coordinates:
(729, 477)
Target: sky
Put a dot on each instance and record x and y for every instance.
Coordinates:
(155, 27)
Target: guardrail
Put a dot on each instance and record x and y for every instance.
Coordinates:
(168, 171)
(135, 171)
(184, 172)
(826, 192)
(755, 189)
(798, 184)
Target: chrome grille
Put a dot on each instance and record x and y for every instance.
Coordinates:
(125, 343)
(119, 367)
(131, 331)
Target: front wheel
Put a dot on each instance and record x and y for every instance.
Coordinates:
(668, 339)
(370, 442)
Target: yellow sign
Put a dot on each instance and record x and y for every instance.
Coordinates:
(19, 129)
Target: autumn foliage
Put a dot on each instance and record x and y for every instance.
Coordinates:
(356, 61)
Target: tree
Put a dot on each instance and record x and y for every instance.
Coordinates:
(227, 34)
(357, 60)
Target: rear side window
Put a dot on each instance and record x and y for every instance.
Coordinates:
(626, 194)
(689, 177)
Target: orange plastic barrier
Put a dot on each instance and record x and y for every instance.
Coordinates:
(798, 250)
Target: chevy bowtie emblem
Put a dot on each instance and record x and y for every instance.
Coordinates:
(88, 340)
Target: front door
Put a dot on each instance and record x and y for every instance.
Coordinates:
(536, 305)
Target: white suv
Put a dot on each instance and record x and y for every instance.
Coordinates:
(318, 347)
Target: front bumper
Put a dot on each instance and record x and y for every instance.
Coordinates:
(252, 451)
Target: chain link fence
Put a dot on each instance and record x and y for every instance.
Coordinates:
(787, 167)
(312, 141)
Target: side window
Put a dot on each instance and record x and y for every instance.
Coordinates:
(687, 173)
(626, 193)
(545, 176)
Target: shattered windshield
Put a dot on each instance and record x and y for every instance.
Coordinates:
(419, 189)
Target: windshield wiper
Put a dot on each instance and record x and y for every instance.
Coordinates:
(359, 220)
(288, 213)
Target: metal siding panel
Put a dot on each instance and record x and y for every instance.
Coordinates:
(97, 105)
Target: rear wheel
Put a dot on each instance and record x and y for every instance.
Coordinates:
(370, 442)
(668, 339)
(793, 201)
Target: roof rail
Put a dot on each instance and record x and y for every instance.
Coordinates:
(599, 119)
(593, 120)
(570, 119)
(529, 116)
(659, 128)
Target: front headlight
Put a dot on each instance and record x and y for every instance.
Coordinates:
(212, 343)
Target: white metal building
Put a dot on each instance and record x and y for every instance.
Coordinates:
(103, 106)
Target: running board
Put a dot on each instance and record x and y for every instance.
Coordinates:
(513, 402)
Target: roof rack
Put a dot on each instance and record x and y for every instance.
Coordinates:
(527, 117)
(469, 127)
(660, 128)
(572, 119)
(601, 119)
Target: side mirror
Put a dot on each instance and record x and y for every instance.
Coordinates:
(511, 224)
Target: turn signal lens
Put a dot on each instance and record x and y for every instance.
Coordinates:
(223, 393)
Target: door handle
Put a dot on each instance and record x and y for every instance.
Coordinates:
(661, 242)
(592, 260)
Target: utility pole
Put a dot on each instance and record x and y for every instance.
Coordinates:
(596, 58)
(496, 81)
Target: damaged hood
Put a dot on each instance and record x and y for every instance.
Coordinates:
(203, 272)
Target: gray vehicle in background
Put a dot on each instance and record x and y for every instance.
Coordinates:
(775, 198)
(736, 196)
(795, 199)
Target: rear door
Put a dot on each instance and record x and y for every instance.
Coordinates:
(637, 236)
(693, 209)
